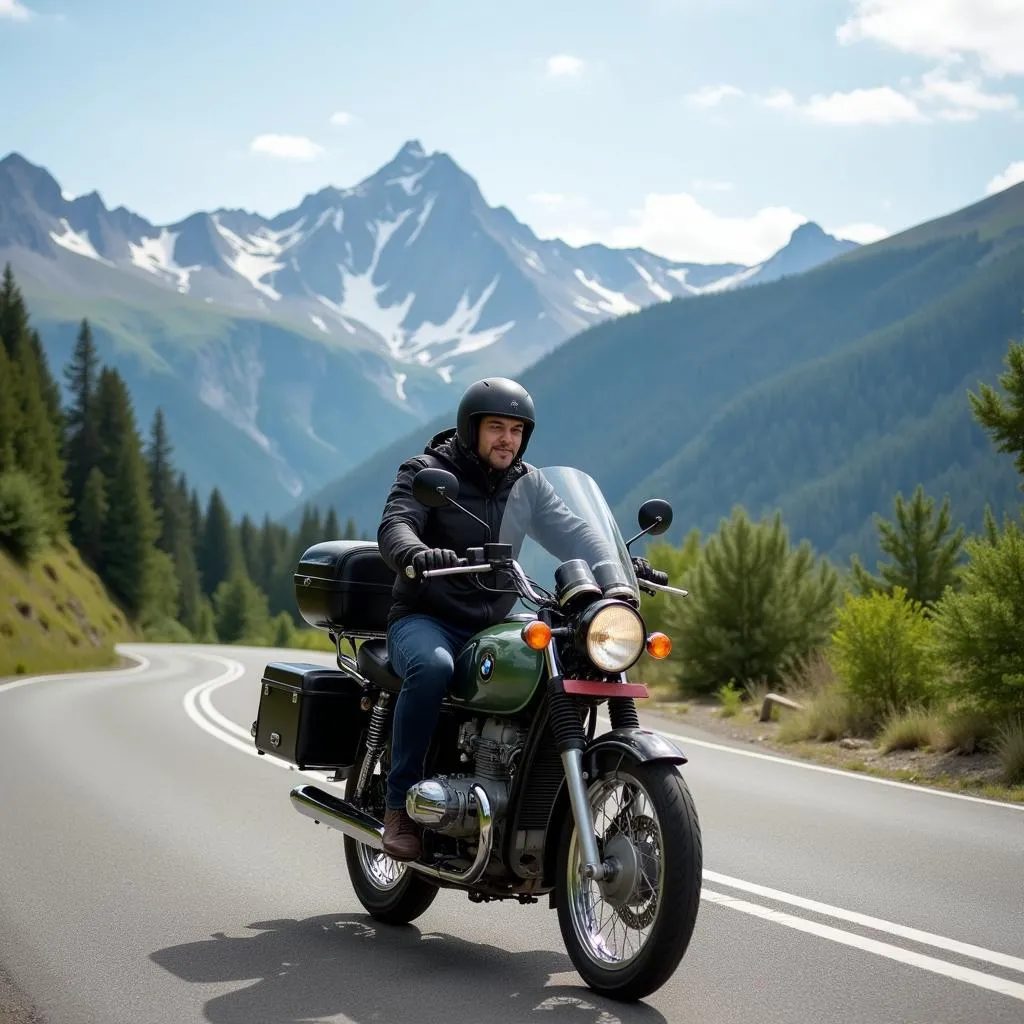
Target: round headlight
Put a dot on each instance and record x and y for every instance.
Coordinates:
(615, 638)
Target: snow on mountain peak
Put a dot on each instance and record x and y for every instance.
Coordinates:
(410, 260)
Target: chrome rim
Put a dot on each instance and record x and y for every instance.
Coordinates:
(380, 870)
(613, 918)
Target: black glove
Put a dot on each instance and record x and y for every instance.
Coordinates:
(644, 571)
(434, 558)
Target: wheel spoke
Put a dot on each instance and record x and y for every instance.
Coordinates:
(628, 831)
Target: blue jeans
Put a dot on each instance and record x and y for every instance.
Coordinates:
(422, 653)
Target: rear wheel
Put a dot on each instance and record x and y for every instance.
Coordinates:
(627, 935)
(387, 889)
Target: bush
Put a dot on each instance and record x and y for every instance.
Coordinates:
(979, 627)
(884, 653)
(756, 606)
(24, 518)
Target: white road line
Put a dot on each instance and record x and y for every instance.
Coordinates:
(807, 766)
(927, 963)
(197, 701)
(903, 931)
(199, 707)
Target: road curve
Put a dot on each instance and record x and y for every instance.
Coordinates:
(152, 871)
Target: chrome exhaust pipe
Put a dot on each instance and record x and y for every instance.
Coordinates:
(343, 816)
(338, 814)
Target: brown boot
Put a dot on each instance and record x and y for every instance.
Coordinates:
(401, 835)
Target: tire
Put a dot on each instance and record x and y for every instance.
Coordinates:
(675, 827)
(389, 891)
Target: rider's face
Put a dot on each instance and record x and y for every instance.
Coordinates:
(500, 439)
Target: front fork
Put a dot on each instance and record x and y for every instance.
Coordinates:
(571, 740)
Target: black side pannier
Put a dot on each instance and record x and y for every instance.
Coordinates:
(345, 585)
(309, 715)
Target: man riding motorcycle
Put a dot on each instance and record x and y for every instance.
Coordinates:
(431, 620)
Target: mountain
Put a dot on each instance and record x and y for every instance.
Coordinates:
(285, 350)
(820, 394)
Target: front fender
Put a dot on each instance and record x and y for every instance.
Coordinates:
(640, 745)
(643, 745)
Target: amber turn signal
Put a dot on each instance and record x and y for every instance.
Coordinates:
(659, 646)
(537, 635)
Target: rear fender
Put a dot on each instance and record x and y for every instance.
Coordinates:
(641, 746)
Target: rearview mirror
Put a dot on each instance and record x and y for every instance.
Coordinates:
(435, 487)
(655, 516)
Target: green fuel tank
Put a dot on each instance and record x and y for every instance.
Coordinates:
(496, 673)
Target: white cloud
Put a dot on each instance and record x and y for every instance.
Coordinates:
(679, 227)
(865, 234)
(1013, 175)
(341, 118)
(881, 105)
(712, 95)
(14, 10)
(964, 99)
(990, 30)
(937, 96)
(563, 65)
(288, 147)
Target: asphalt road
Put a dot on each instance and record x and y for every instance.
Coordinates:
(152, 871)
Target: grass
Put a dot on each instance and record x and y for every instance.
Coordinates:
(955, 749)
(56, 616)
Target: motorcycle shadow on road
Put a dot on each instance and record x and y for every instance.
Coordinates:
(347, 964)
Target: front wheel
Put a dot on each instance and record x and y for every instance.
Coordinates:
(386, 888)
(626, 935)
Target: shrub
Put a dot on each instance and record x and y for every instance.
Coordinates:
(24, 519)
(756, 606)
(884, 653)
(1009, 748)
(980, 627)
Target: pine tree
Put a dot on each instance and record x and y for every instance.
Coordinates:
(176, 539)
(924, 560)
(331, 530)
(131, 527)
(162, 490)
(220, 556)
(37, 441)
(91, 519)
(10, 412)
(249, 542)
(350, 529)
(49, 386)
(1004, 418)
(756, 606)
(82, 445)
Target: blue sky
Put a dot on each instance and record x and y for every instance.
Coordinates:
(701, 129)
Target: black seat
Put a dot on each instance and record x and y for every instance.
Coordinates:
(372, 660)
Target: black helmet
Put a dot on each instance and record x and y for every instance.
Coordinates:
(494, 396)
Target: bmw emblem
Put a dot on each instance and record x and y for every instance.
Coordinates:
(486, 665)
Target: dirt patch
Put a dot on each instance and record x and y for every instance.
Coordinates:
(14, 1006)
(976, 773)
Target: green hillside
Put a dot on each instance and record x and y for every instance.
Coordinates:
(820, 394)
(56, 616)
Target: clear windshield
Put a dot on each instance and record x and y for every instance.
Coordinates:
(559, 513)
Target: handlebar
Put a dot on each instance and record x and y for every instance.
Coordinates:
(465, 567)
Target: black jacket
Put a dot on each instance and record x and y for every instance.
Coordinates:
(406, 527)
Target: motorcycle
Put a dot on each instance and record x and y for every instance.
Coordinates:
(522, 797)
